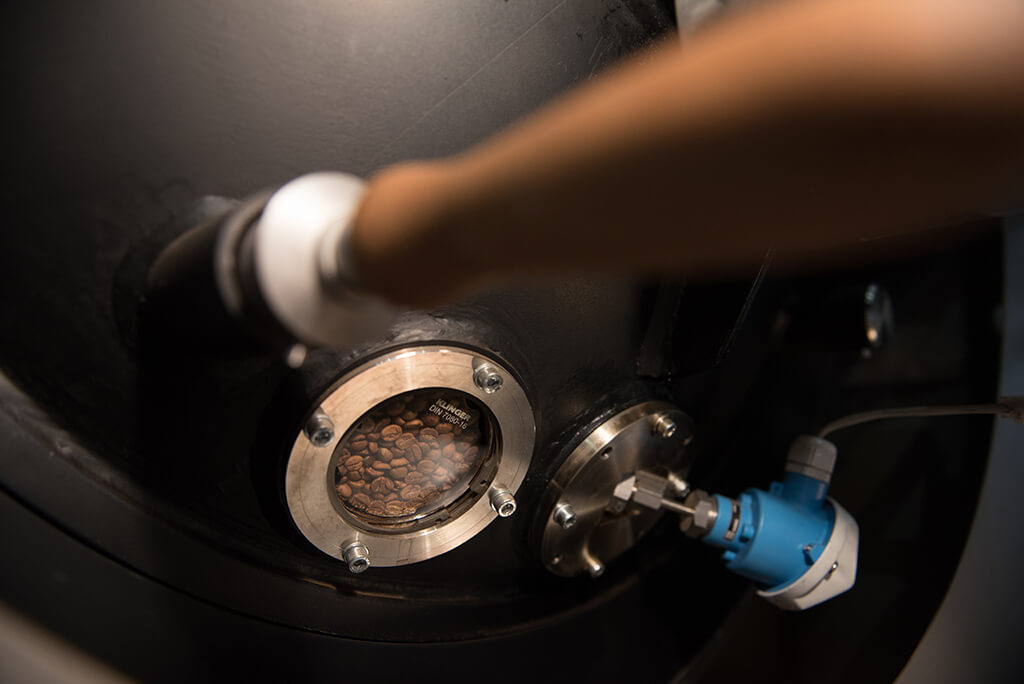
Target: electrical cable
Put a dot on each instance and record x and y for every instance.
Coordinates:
(1007, 407)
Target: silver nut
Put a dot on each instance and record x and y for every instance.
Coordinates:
(357, 556)
(502, 502)
(564, 516)
(649, 489)
(705, 513)
(319, 429)
(488, 378)
(664, 426)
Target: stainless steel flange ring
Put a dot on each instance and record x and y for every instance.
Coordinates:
(310, 477)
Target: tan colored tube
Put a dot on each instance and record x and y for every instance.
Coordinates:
(800, 126)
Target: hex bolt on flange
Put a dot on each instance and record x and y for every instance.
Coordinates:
(564, 515)
(319, 429)
(488, 378)
(664, 426)
(502, 501)
(357, 556)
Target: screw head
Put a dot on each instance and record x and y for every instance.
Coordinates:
(488, 378)
(319, 429)
(502, 502)
(564, 516)
(357, 556)
(664, 426)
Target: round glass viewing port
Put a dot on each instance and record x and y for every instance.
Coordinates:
(415, 457)
(420, 449)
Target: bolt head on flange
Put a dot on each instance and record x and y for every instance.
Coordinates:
(564, 515)
(319, 429)
(357, 556)
(503, 503)
(664, 426)
(488, 378)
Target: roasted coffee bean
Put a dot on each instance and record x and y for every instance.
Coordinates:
(372, 473)
(426, 466)
(381, 465)
(398, 473)
(394, 508)
(394, 408)
(439, 475)
(373, 447)
(461, 468)
(373, 436)
(398, 420)
(445, 463)
(445, 438)
(431, 420)
(413, 452)
(390, 433)
(459, 458)
(399, 462)
(408, 415)
(414, 424)
(410, 492)
(360, 500)
(357, 445)
(415, 477)
(434, 455)
(448, 451)
(382, 486)
(471, 453)
(404, 442)
(353, 462)
(376, 508)
(385, 454)
(445, 428)
(428, 433)
(344, 491)
(381, 424)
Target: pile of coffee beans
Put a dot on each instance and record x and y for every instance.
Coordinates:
(410, 456)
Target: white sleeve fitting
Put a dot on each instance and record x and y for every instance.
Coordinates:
(298, 251)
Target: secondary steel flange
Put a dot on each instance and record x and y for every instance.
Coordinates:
(582, 525)
(309, 476)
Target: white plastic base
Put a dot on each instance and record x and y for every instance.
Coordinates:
(834, 572)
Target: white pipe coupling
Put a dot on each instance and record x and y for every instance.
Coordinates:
(301, 265)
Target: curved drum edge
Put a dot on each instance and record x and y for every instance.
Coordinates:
(975, 633)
